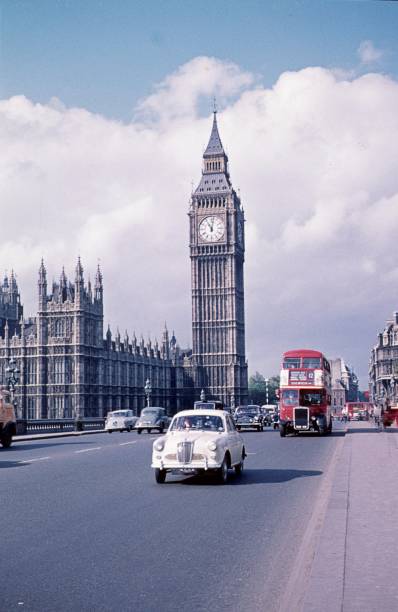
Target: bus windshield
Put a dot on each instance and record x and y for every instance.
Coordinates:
(290, 397)
(310, 398)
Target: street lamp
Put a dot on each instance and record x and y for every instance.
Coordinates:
(148, 391)
(12, 378)
(266, 390)
(202, 396)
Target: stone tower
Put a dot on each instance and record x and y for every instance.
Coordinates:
(217, 250)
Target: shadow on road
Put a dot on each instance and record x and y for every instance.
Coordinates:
(249, 477)
(11, 464)
(356, 430)
(314, 434)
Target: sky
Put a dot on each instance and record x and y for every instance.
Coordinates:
(106, 109)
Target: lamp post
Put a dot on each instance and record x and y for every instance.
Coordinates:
(202, 396)
(12, 378)
(266, 390)
(148, 391)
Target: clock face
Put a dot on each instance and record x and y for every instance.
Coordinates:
(211, 228)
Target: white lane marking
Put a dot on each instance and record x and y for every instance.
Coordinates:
(86, 450)
(31, 460)
(251, 453)
(124, 443)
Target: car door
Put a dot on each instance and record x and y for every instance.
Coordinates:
(233, 441)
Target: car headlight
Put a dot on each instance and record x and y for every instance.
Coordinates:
(212, 446)
(158, 445)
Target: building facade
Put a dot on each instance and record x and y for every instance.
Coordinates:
(68, 369)
(383, 367)
(217, 249)
(344, 384)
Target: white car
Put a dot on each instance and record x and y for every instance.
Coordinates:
(120, 420)
(199, 441)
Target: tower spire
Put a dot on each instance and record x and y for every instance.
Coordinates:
(214, 147)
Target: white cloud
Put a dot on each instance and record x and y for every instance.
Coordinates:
(367, 52)
(179, 94)
(315, 158)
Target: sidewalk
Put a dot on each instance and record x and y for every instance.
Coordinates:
(354, 568)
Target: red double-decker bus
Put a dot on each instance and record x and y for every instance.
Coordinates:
(305, 393)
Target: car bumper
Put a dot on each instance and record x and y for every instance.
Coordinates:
(248, 425)
(192, 466)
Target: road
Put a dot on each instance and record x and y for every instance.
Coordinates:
(85, 526)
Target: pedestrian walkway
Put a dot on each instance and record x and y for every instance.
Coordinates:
(354, 568)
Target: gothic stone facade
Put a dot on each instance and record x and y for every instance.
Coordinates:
(383, 370)
(68, 368)
(217, 250)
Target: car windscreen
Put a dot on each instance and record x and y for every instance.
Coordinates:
(149, 412)
(247, 410)
(205, 422)
(117, 414)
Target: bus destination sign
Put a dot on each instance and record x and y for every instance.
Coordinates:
(299, 377)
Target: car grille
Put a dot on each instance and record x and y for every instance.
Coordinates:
(173, 457)
(184, 452)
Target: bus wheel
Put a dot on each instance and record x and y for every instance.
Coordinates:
(282, 431)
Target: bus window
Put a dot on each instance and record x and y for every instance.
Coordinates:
(311, 398)
(290, 397)
(312, 363)
(291, 363)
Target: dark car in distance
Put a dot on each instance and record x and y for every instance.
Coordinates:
(249, 417)
(152, 417)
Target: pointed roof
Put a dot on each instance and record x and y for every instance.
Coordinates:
(215, 145)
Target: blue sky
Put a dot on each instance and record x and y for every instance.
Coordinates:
(105, 56)
(105, 111)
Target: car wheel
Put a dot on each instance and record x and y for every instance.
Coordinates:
(6, 440)
(237, 428)
(109, 430)
(223, 472)
(161, 429)
(160, 475)
(139, 431)
(282, 431)
(149, 430)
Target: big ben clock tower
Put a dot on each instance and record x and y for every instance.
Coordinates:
(217, 248)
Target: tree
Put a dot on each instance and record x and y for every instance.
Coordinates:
(258, 389)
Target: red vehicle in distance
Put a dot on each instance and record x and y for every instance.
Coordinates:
(305, 393)
(357, 411)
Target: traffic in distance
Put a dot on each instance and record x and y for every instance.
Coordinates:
(304, 405)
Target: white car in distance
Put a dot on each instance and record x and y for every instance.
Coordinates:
(199, 441)
(120, 420)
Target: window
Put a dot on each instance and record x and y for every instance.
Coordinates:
(311, 362)
(291, 363)
(290, 397)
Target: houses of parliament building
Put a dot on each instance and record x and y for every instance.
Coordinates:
(70, 369)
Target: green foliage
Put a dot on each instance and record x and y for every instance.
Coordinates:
(258, 389)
